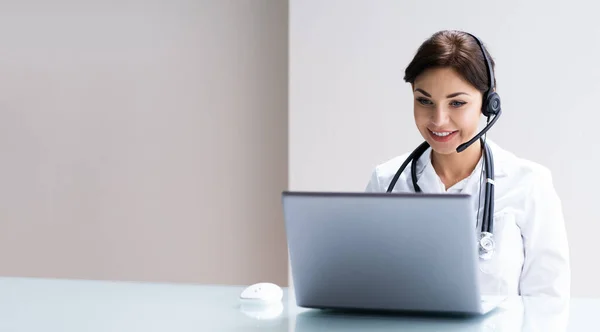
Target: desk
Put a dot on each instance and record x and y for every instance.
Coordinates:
(28, 305)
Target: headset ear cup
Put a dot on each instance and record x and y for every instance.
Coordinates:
(492, 105)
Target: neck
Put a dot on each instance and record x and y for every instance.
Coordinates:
(452, 168)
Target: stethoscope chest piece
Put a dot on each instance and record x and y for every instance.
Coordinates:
(486, 245)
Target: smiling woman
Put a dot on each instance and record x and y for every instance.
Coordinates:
(449, 77)
(523, 241)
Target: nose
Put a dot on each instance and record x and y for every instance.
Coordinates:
(439, 116)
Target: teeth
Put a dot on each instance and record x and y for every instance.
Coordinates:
(442, 134)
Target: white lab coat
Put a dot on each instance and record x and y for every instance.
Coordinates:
(532, 253)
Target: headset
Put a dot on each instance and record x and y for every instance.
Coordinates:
(491, 107)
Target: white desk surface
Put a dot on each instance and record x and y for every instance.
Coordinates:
(29, 304)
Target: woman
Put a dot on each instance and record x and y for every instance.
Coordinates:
(451, 81)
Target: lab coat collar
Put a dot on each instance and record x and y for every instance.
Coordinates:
(429, 181)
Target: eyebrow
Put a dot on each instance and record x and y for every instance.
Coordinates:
(452, 95)
(423, 92)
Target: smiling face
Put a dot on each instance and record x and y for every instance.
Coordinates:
(447, 109)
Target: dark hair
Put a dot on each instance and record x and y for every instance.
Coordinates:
(455, 49)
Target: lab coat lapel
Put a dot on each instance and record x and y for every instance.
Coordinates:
(478, 178)
(475, 186)
(427, 178)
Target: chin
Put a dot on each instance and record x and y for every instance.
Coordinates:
(443, 148)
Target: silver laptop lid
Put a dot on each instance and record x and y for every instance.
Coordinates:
(383, 251)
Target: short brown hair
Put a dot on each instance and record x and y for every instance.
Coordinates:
(455, 49)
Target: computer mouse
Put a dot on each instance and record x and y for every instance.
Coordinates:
(263, 292)
(262, 311)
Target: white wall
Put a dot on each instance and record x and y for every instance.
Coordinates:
(143, 141)
(350, 109)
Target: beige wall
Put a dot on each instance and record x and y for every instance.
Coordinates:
(144, 142)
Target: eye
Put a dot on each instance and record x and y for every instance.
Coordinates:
(424, 101)
(457, 104)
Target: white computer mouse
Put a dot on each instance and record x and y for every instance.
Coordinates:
(263, 292)
(262, 311)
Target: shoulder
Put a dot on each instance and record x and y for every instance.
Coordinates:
(520, 172)
(391, 166)
(526, 187)
(384, 172)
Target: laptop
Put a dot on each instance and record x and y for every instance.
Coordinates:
(411, 252)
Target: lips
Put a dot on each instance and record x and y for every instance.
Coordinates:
(442, 136)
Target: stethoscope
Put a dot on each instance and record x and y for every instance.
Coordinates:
(490, 107)
(486, 239)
